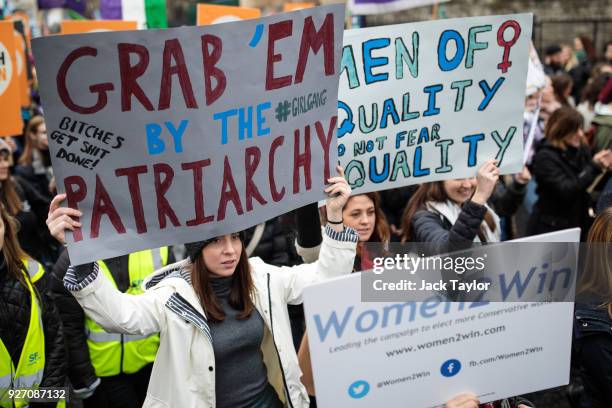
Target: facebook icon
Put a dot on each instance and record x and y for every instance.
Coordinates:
(450, 368)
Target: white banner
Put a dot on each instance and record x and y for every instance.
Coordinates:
(168, 136)
(430, 101)
(421, 354)
(536, 78)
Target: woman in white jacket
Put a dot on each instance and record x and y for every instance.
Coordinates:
(225, 337)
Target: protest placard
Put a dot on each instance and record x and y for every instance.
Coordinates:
(23, 64)
(178, 135)
(297, 6)
(536, 78)
(93, 26)
(366, 7)
(11, 122)
(216, 14)
(421, 354)
(22, 17)
(430, 101)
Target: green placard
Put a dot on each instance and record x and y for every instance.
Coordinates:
(156, 13)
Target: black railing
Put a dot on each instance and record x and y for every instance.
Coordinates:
(548, 32)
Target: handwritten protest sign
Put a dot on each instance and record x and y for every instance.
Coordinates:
(216, 14)
(171, 136)
(421, 354)
(429, 101)
(10, 114)
(92, 26)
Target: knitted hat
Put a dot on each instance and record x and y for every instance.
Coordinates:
(194, 249)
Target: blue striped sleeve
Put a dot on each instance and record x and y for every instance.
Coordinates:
(78, 277)
(347, 235)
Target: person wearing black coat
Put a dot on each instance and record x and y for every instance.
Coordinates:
(564, 170)
(15, 309)
(593, 343)
(81, 371)
(34, 165)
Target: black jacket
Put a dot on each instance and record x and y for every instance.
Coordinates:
(432, 227)
(593, 344)
(563, 177)
(15, 303)
(40, 182)
(277, 244)
(80, 370)
(33, 233)
(507, 198)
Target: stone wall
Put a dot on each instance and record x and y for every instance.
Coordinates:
(556, 21)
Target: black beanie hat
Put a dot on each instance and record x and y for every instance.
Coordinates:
(194, 249)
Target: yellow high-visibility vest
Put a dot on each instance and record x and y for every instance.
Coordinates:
(29, 371)
(114, 353)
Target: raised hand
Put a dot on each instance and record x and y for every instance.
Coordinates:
(486, 179)
(603, 159)
(523, 177)
(338, 194)
(61, 219)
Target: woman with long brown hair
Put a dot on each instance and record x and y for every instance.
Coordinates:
(564, 169)
(593, 328)
(225, 337)
(453, 213)
(29, 208)
(31, 339)
(562, 86)
(363, 213)
(34, 165)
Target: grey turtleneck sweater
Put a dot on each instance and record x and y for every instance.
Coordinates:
(241, 376)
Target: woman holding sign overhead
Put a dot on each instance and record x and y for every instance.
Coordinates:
(363, 213)
(454, 213)
(225, 338)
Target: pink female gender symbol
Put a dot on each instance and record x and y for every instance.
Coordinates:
(516, 27)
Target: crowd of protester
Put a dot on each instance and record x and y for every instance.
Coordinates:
(103, 344)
